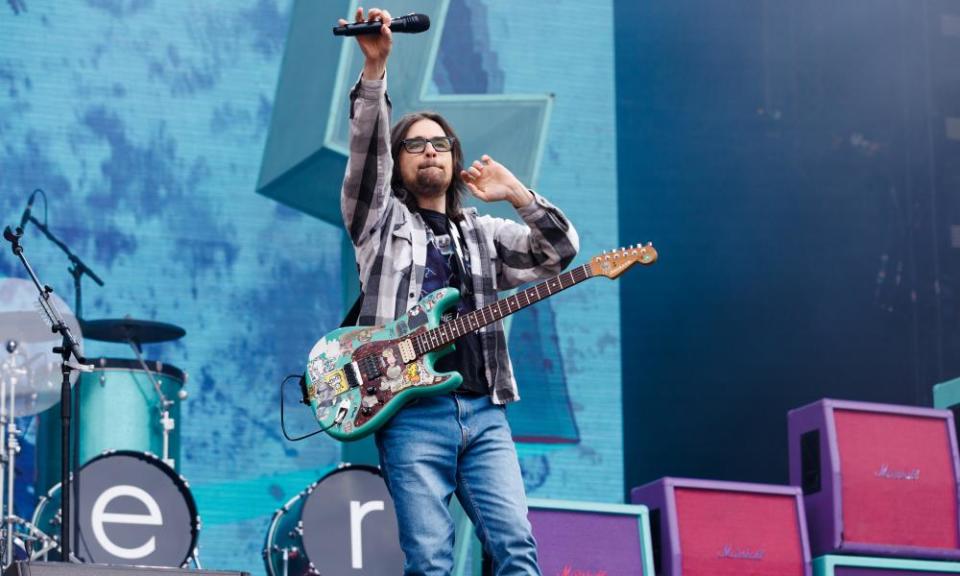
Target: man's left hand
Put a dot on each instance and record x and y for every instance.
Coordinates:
(491, 181)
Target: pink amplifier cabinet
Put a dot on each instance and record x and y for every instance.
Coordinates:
(877, 479)
(710, 528)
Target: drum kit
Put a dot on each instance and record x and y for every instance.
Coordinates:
(129, 504)
(125, 502)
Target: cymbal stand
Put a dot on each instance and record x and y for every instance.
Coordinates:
(167, 423)
(9, 448)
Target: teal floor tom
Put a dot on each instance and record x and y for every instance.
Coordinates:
(119, 409)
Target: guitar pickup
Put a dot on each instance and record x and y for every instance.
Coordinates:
(352, 373)
(407, 354)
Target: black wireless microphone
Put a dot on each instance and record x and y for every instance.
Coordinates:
(409, 24)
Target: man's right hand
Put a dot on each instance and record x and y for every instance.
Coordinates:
(376, 47)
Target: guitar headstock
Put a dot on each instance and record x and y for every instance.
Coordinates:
(615, 263)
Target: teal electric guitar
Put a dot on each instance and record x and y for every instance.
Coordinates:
(357, 378)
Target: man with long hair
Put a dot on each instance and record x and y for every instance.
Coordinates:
(402, 204)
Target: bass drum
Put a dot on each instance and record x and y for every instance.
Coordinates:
(343, 524)
(133, 510)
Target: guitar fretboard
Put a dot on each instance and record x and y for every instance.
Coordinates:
(472, 321)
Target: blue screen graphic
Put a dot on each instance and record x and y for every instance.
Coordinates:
(145, 123)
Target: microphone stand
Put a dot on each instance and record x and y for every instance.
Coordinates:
(68, 348)
(78, 268)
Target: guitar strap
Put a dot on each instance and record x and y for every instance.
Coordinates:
(462, 262)
(354, 314)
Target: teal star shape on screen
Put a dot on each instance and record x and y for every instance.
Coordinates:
(306, 150)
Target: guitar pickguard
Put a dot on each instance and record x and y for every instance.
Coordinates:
(395, 377)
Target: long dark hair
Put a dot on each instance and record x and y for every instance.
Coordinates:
(457, 188)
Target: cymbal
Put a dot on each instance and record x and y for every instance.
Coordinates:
(26, 347)
(23, 326)
(130, 329)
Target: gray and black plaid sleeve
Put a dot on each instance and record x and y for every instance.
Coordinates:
(542, 248)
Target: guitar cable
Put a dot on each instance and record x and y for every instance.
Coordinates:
(283, 426)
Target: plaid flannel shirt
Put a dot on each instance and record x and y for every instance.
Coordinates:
(390, 241)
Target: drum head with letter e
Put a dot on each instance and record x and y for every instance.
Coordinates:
(133, 510)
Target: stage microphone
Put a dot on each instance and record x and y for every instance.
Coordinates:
(26, 213)
(9, 235)
(409, 24)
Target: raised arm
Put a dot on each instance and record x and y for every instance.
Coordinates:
(366, 184)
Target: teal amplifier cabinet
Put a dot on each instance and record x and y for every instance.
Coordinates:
(947, 394)
(833, 565)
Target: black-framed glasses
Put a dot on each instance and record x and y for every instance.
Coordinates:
(418, 145)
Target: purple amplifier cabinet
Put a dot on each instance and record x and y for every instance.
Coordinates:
(591, 538)
(877, 479)
(710, 528)
(869, 566)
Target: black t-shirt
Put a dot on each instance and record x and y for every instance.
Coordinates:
(444, 269)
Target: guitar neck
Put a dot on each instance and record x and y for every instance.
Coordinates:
(445, 334)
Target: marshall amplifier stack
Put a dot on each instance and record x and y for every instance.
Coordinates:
(875, 491)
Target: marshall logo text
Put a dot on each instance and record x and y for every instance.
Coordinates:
(568, 571)
(731, 553)
(890, 474)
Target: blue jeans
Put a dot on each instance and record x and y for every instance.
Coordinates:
(460, 444)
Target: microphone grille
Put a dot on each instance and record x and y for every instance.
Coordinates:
(417, 22)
